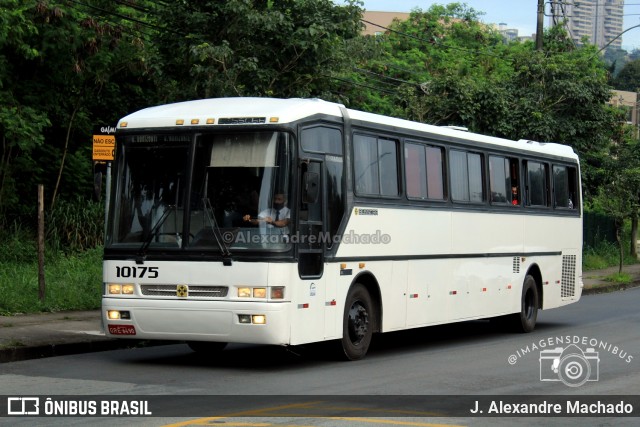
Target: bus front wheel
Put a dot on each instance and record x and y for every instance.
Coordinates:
(358, 322)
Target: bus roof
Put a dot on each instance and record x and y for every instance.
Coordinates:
(256, 111)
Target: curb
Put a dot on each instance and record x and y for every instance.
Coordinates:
(609, 287)
(16, 354)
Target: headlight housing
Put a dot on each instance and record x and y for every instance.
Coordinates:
(120, 288)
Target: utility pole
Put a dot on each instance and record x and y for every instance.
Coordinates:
(540, 26)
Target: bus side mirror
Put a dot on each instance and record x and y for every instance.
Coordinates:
(310, 187)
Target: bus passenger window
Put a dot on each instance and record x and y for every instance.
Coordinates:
(375, 166)
(466, 176)
(415, 171)
(537, 184)
(564, 185)
(503, 180)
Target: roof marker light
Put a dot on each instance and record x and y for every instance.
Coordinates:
(123, 124)
(179, 122)
(195, 121)
(274, 119)
(211, 121)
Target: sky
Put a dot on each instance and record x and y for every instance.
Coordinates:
(520, 14)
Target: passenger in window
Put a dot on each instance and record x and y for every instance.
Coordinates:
(514, 195)
(277, 216)
(570, 204)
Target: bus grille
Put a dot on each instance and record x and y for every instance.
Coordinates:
(568, 276)
(516, 264)
(194, 291)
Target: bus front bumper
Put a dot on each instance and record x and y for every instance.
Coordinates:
(222, 321)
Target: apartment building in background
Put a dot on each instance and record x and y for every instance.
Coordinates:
(382, 19)
(599, 20)
(375, 21)
(627, 101)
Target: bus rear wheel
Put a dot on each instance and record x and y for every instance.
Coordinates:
(525, 321)
(358, 322)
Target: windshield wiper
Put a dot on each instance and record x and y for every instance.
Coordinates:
(215, 228)
(142, 252)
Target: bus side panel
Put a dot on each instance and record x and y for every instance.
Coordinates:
(308, 298)
(561, 273)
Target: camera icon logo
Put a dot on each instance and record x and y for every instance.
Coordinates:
(570, 365)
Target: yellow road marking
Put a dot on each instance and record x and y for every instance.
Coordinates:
(395, 422)
(204, 421)
(272, 412)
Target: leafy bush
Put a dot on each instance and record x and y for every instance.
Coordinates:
(17, 244)
(75, 226)
(605, 254)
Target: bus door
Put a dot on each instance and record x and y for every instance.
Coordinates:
(310, 243)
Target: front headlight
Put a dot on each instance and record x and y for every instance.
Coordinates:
(120, 288)
(259, 292)
(271, 292)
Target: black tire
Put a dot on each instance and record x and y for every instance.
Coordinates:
(525, 321)
(358, 323)
(206, 347)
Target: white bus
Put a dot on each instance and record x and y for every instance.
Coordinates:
(291, 221)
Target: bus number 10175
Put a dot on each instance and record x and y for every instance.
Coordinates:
(137, 272)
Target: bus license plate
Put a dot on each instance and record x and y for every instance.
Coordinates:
(122, 330)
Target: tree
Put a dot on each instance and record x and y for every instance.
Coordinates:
(628, 78)
(619, 192)
(439, 66)
(253, 48)
(21, 124)
(57, 62)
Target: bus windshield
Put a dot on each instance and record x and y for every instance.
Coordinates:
(234, 195)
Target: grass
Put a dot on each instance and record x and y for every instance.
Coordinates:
(12, 343)
(620, 278)
(73, 261)
(605, 255)
(72, 282)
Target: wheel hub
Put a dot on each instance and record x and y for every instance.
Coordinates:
(358, 322)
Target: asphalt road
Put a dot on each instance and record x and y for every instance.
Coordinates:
(305, 386)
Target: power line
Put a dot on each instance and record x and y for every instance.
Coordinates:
(127, 18)
(133, 6)
(122, 28)
(362, 70)
(616, 37)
